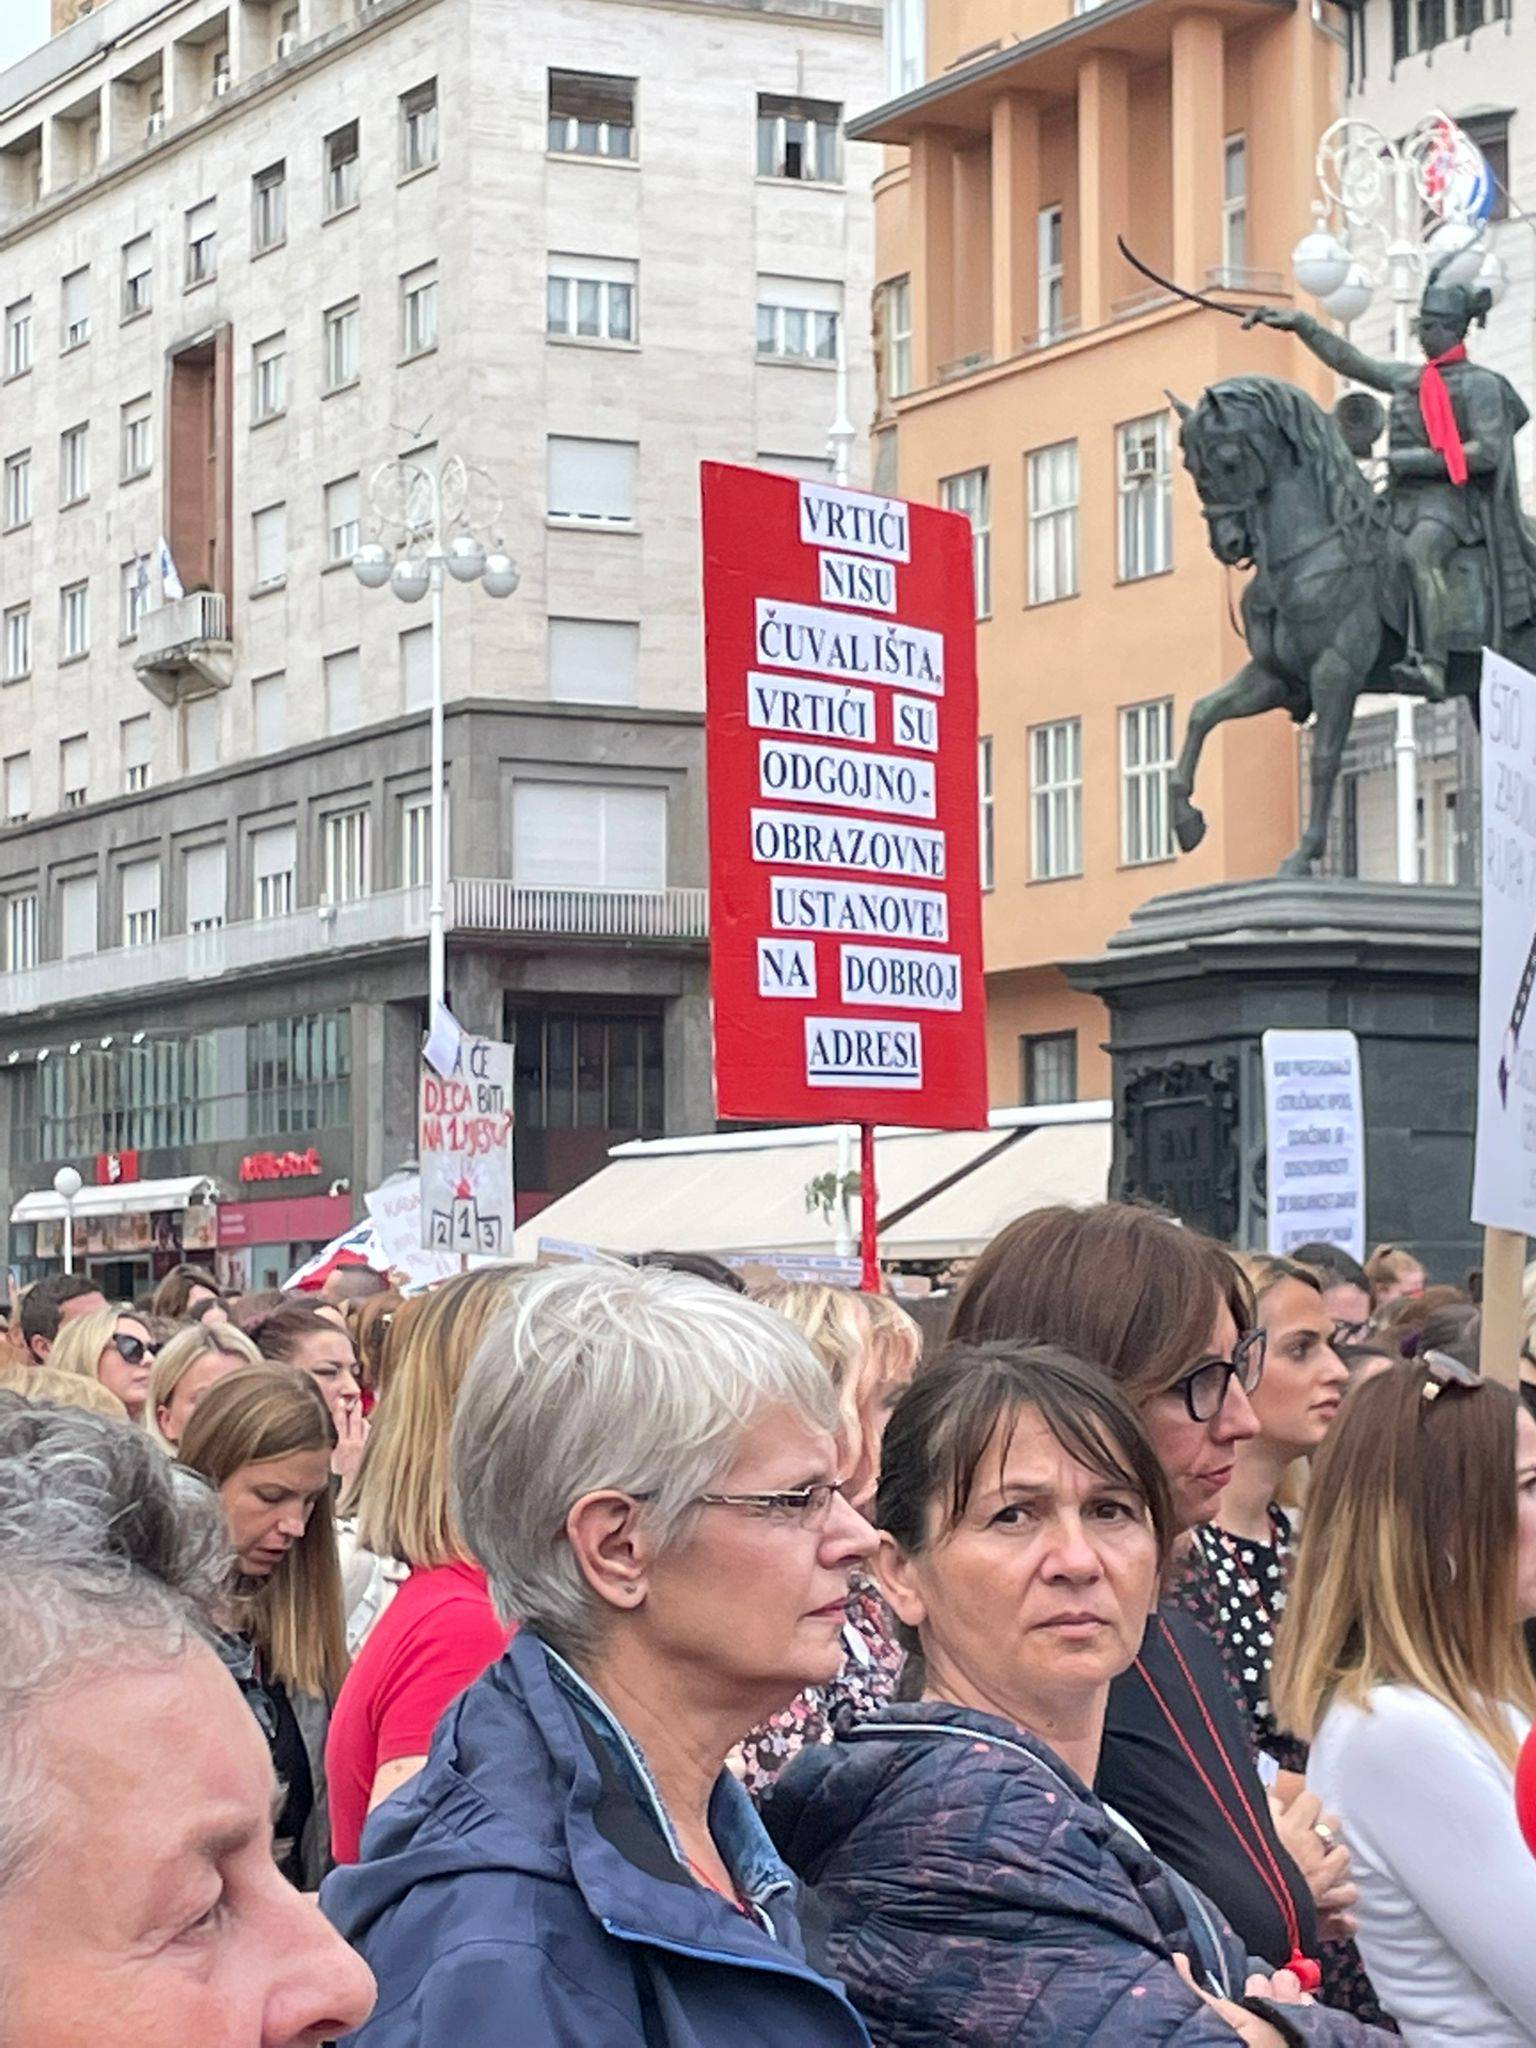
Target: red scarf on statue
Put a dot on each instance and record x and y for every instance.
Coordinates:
(1439, 415)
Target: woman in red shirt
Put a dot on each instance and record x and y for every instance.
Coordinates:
(440, 1631)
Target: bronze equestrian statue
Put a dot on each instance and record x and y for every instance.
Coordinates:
(1353, 590)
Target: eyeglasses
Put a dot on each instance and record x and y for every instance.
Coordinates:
(132, 1350)
(808, 1505)
(1352, 1333)
(1442, 1371)
(1204, 1387)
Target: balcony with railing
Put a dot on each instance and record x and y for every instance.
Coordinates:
(184, 647)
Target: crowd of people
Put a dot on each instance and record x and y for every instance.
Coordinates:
(1127, 1649)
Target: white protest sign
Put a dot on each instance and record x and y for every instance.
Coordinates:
(395, 1212)
(1504, 1177)
(465, 1148)
(1315, 1133)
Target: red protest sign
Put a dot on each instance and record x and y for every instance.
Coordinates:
(845, 900)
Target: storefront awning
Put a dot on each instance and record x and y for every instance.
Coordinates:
(1057, 1163)
(124, 1198)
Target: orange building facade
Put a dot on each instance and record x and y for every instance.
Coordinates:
(1024, 370)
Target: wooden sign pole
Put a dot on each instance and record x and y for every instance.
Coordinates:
(1503, 1325)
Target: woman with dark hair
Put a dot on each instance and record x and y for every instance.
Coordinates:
(978, 1891)
(306, 1337)
(190, 1292)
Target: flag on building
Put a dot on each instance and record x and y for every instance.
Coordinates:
(170, 582)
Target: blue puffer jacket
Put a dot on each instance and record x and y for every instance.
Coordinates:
(523, 1892)
(979, 1895)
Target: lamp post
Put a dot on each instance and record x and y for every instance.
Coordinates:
(1381, 192)
(67, 1185)
(429, 522)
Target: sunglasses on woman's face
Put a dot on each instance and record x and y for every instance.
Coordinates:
(130, 1349)
(1204, 1387)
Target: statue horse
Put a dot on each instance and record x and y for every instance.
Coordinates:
(1326, 612)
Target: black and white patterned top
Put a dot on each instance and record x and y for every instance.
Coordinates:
(1236, 1590)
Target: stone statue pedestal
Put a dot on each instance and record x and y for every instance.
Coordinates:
(1199, 975)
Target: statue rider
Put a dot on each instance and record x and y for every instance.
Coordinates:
(1452, 481)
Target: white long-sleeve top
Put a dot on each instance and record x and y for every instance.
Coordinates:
(1447, 1886)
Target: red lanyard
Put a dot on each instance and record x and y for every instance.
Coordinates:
(1272, 1877)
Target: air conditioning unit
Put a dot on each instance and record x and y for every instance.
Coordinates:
(155, 124)
(287, 43)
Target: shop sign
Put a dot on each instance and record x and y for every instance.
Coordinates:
(115, 1169)
(281, 1165)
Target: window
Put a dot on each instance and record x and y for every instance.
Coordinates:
(576, 835)
(18, 488)
(1146, 497)
(345, 840)
(1050, 276)
(797, 319)
(418, 128)
(987, 840)
(133, 585)
(591, 298)
(416, 668)
(1056, 799)
(135, 741)
(223, 78)
(898, 337)
(1048, 1067)
(341, 323)
(75, 464)
(343, 519)
(591, 114)
(274, 864)
(141, 902)
(18, 642)
(269, 208)
(138, 276)
(137, 455)
(74, 621)
(298, 1073)
(797, 138)
(416, 842)
(418, 310)
(269, 546)
(200, 736)
(814, 468)
(906, 57)
(343, 168)
(202, 242)
(74, 771)
(18, 338)
(971, 493)
(343, 691)
(78, 916)
(592, 482)
(269, 378)
(1053, 499)
(1234, 207)
(75, 309)
(592, 661)
(18, 789)
(587, 1070)
(204, 875)
(20, 933)
(1146, 763)
(269, 712)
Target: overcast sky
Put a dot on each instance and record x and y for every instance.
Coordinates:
(23, 25)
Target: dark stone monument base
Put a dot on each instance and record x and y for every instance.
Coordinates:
(1196, 979)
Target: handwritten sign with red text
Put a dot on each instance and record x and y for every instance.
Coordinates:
(465, 1147)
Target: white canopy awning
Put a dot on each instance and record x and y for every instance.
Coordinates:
(122, 1198)
(1057, 1163)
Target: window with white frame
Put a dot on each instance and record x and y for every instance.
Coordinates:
(202, 242)
(797, 319)
(591, 114)
(75, 309)
(74, 620)
(343, 169)
(75, 464)
(269, 378)
(898, 337)
(971, 493)
(18, 789)
(343, 519)
(269, 712)
(576, 835)
(205, 878)
(416, 842)
(274, 870)
(18, 642)
(18, 488)
(18, 338)
(138, 276)
(135, 748)
(987, 840)
(593, 661)
(140, 882)
(341, 349)
(592, 483)
(269, 546)
(418, 128)
(1056, 799)
(200, 736)
(344, 839)
(136, 438)
(1050, 275)
(21, 951)
(1146, 497)
(416, 668)
(418, 310)
(1234, 207)
(905, 46)
(78, 916)
(591, 298)
(74, 771)
(798, 138)
(220, 75)
(269, 208)
(133, 596)
(1053, 509)
(343, 690)
(1146, 765)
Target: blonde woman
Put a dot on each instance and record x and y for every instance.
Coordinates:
(263, 1437)
(1393, 1271)
(188, 1365)
(440, 1631)
(112, 1345)
(1401, 1661)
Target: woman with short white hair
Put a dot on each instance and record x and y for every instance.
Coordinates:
(646, 1466)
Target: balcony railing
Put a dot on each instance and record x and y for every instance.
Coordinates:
(201, 616)
(184, 650)
(579, 913)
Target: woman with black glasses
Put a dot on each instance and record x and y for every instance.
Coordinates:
(111, 1345)
(1170, 1317)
